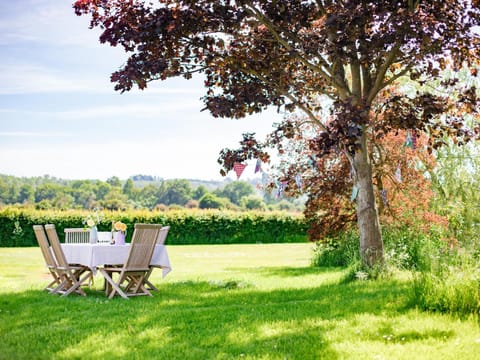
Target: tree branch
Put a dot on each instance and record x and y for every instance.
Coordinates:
(271, 27)
(380, 75)
(396, 76)
(289, 96)
(356, 79)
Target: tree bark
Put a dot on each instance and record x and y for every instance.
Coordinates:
(371, 243)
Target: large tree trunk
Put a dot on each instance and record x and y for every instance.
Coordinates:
(371, 243)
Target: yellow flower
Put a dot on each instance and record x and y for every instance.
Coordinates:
(120, 226)
(90, 223)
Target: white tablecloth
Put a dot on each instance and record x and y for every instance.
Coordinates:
(93, 255)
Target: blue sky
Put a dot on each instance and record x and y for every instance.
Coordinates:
(60, 116)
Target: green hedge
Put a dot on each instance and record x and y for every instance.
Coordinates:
(186, 226)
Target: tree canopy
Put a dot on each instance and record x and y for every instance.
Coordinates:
(258, 53)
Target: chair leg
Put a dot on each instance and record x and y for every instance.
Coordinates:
(147, 282)
(115, 286)
(151, 286)
(76, 285)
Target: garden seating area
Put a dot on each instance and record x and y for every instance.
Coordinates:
(132, 262)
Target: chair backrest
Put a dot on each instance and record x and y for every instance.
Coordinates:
(56, 247)
(77, 236)
(44, 245)
(162, 235)
(143, 243)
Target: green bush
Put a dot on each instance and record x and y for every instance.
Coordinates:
(451, 285)
(211, 201)
(186, 226)
(405, 248)
(337, 251)
(411, 249)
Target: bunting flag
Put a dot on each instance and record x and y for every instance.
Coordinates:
(264, 179)
(354, 193)
(352, 172)
(298, 180)
(258, 166)
(398, 174)
(383, 195)
(409, 139)
(280, 188)
(238, 168)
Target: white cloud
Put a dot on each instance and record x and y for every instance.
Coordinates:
(27, 134)
(41, 22)
(30, 78)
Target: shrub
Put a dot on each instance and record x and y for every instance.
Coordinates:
(192, 204)
(211, 201)
(337, 251)
(451, 285)
(186, 226)
(404, 247)
(253, 203)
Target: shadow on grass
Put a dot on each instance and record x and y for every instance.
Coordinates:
(193, 320)
(288, 271)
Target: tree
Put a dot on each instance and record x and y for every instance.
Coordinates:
(235, 191)
(101, 189)
(129, 188)
(211, 201)
(176, 191)
(26, 194)
(253, 203)
(48, 191)
(114, 181)
(115, 200)
(258, 53)
(199, 192)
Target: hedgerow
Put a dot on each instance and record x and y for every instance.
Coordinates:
(186, 226)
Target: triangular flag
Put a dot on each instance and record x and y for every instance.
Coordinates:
(383, 195)
(298, 180)
(238, 168)
(258, 166)
(398, 174)
(280, 188)
(409, 140)
(354, 193)
(264, 179)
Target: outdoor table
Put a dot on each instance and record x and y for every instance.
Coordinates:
(93, 255)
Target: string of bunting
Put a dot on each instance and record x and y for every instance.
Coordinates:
(280, 186)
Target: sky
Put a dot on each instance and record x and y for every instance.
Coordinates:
(60, 115)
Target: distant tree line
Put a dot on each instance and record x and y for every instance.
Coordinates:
(137, 192)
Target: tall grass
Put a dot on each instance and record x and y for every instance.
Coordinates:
(446, 278)
(226, 302)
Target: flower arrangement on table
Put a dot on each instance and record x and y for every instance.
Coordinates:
(119, 231)
(91, 222)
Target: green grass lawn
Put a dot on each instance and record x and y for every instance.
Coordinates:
(226, 302)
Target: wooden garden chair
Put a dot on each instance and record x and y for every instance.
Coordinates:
(131, 275)
(72, 276)
(77, 236)
(162, 236)
(49, 258)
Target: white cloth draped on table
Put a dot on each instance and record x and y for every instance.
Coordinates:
(93, 255)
